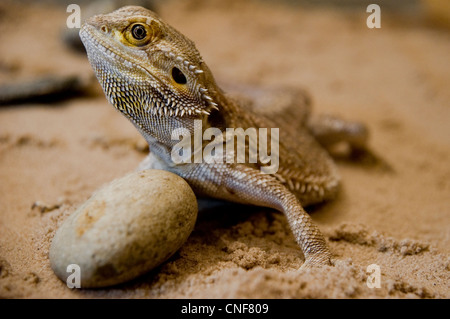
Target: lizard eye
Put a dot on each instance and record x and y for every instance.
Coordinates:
(138, 31)
(178, 76)
(138, 34)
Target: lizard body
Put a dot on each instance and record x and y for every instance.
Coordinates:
(155, 76)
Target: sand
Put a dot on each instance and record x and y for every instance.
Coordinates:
(396, 215)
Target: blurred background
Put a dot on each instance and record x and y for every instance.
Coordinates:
(26, 48)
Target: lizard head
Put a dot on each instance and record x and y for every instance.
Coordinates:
(146, 68)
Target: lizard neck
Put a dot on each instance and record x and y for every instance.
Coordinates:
(162, 142)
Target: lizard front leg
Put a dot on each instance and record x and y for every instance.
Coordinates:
(247, 185)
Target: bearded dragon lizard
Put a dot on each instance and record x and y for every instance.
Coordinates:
(156, 77)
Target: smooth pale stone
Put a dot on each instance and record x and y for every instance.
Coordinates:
(125, 229)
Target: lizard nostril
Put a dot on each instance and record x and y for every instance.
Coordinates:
(104, 29)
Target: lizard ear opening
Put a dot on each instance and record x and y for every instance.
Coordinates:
(178, 76)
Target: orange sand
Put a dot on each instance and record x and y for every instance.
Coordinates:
(395, 79)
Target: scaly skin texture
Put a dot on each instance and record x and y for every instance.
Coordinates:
(156, 77)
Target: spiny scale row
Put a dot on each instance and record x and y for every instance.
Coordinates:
(207, 98)
(161, 110)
